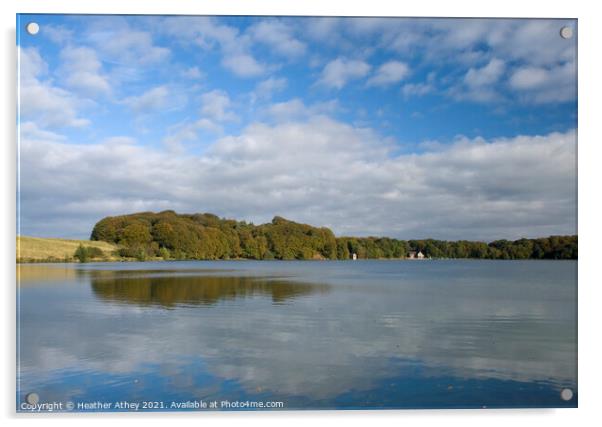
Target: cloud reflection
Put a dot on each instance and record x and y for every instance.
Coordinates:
(350, 336)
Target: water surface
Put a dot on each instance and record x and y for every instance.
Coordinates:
(312, 335)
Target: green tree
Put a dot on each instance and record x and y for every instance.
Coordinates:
(82, 254)
(164, 253)
(206, 236)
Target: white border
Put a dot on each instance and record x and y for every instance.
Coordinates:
(590, 141)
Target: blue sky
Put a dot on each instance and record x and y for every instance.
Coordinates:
(410, 128)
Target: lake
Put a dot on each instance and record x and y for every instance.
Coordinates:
(298, 335)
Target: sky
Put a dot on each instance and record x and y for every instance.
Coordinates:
(407, 128)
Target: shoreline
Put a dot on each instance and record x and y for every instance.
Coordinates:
(59, 262)
(39, 250)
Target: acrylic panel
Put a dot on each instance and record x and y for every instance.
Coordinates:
(295, 213)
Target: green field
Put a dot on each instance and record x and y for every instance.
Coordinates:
(38, 249)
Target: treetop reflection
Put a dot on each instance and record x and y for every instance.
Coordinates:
(170, 291)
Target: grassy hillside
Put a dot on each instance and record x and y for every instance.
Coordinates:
(32, 249)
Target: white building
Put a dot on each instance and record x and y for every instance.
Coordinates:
(415, 255)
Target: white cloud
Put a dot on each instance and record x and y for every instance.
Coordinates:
(296, 110)
(193, 73)
(81, 70)
(155, 99)
(119, 140)
(287, 110)
(529, 78)
(533, 41)
(122, 44)
(57, 33)
(31, 65)
(338, 72)
(179, 134)
(389, 73)
(525, 46)
(463, 44)
(485, 76)
(243, 64)
(480, 84)
(317, 171)
(402, 187)
(278, 36)
(453, 45)
(325, 30)
(216, 108)
(419, 89)
(201, 30)
(40, 100)
(207, 33)
(266, 88)
(49, 106)
(416, 89)
(187, 132)
(543, 85)
(31, 132)
(216, 105)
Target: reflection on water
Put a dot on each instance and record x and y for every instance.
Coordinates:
(140, 287)
(311, 334)
(29, 274)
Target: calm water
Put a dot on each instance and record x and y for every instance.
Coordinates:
(365, 334)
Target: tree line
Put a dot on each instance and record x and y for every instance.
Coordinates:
(205, 236)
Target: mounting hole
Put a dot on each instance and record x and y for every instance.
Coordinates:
(32, 28)
(32, 398)
(566, 32)
(566, 394)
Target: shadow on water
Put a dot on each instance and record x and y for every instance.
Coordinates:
(150, 288)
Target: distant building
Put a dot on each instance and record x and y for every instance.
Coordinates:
(415, 255)
(354, 256)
